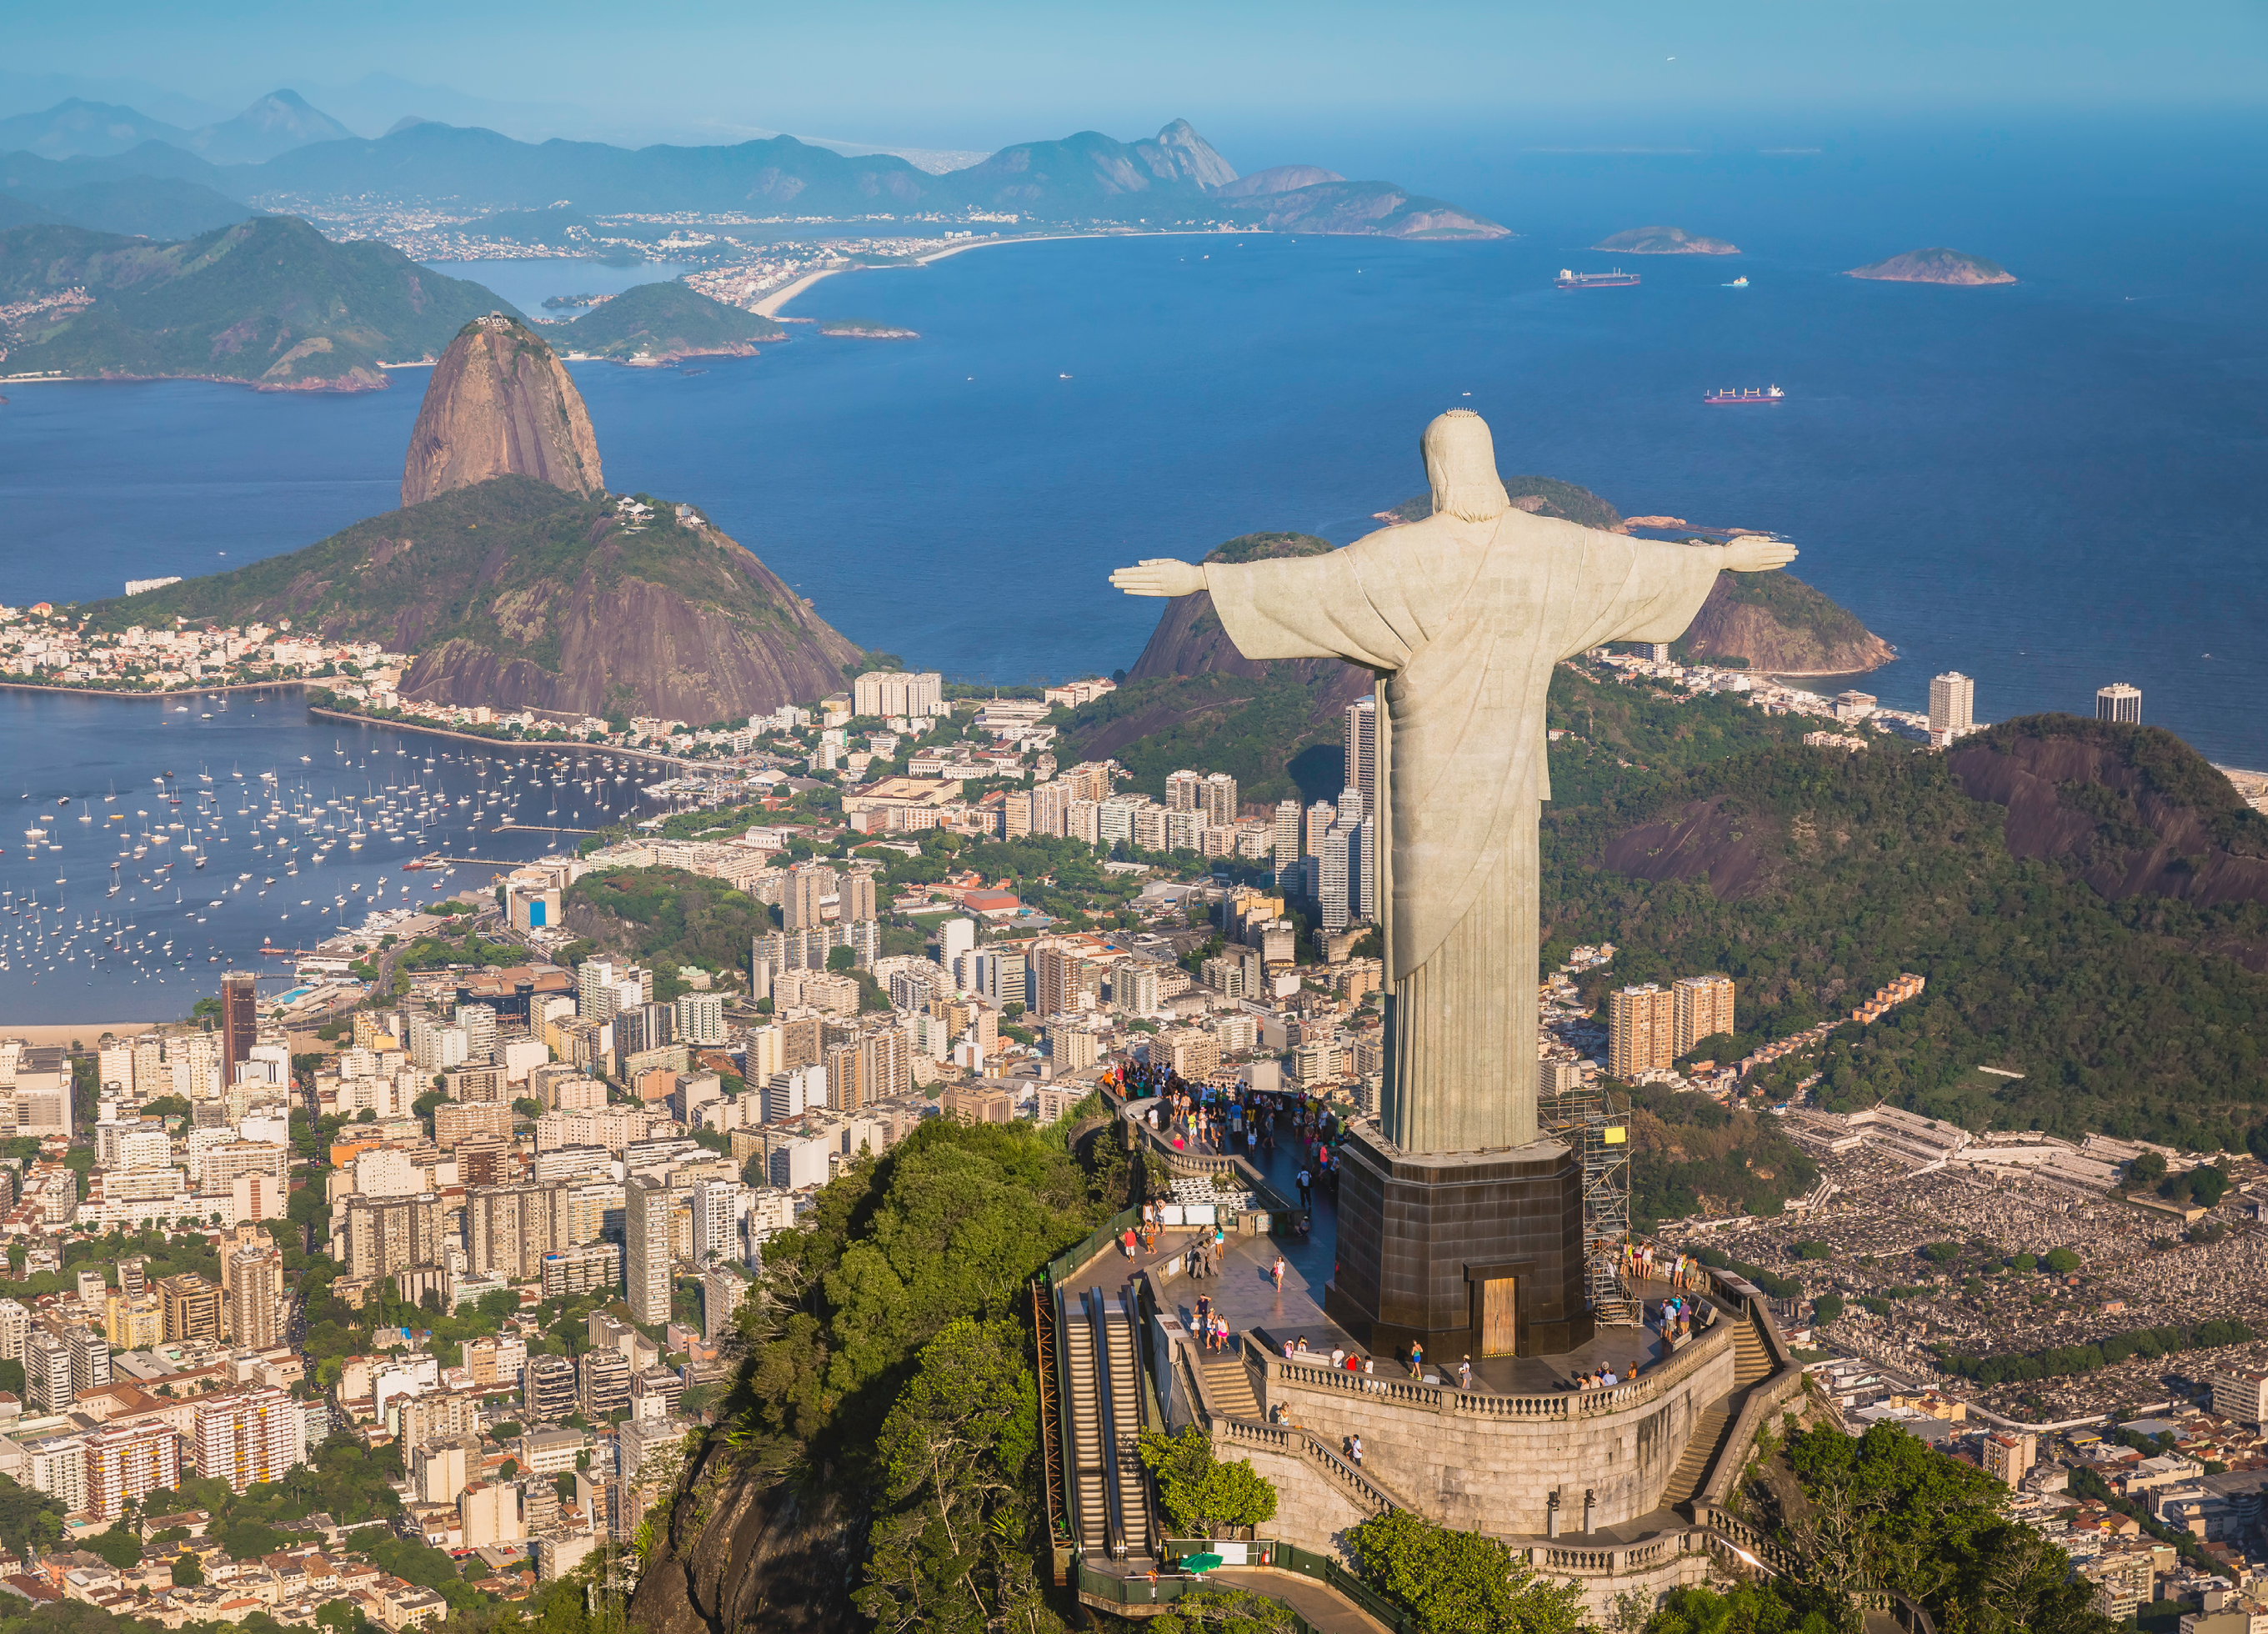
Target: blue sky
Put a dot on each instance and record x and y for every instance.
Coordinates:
(975, 76)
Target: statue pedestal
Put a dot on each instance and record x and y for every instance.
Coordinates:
(1470, 1254)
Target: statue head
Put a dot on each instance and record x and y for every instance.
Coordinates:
(1461, 464)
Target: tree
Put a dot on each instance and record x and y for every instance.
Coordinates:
(954, 1452)
(2063, 1262)
(1460, 1582)
(187, 1572)
(1198, 1491)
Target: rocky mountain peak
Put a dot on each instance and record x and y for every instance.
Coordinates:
(1190, 157)
(500, 403)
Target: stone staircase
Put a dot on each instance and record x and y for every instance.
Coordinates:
(1709, 1432)
(1229, 1384)
(1752, 1364)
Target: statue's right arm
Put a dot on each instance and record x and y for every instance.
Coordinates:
(1751, 555)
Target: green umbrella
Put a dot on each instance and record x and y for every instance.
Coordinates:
(1200, 1563)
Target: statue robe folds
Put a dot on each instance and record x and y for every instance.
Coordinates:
(1464, 622)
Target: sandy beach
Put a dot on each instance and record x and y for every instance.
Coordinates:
(771, 306)
(79, 1032)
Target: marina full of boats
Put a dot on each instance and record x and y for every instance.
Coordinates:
(123, 898)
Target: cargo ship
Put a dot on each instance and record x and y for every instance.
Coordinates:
(1615, 280)
(1750, 394)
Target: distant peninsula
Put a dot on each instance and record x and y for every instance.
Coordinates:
(653, 324)
(1935, 265)
(866, 329)
(1665, 241)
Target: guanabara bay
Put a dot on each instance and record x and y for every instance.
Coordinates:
(1082, 853)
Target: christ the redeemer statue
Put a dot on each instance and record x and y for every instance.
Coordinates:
(1462, 617)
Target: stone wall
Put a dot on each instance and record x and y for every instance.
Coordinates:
(1495, 1471)
(1312, 1510)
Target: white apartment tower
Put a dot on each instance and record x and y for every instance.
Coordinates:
(2119, 701)
(1952, 704)
(1362, 750)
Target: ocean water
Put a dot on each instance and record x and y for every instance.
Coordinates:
(72, 949)
(2049, 486)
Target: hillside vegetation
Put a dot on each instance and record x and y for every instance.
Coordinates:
(269, 301)
(655, 322)
(1776, 623)
(1813, 877)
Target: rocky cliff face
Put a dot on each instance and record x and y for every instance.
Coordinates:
(500, 403)
(744, 1550)
(2132, 809)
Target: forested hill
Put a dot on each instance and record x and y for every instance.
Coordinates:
(1815, 876)
(270, 302)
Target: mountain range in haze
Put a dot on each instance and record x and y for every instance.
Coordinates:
(282, 147)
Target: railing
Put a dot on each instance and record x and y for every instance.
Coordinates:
(1367, 1494)
(1447, 1399)
(1081, 1251)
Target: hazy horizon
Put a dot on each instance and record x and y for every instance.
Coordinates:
(893, 74)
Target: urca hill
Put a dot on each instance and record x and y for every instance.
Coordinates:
(516, 581)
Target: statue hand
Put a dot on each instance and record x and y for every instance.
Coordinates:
(1159, 576)
(1758, 555)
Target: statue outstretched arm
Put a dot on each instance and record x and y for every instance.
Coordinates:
(1758, 555)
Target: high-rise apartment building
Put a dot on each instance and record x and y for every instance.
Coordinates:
(509, 1229)
(2119, 701)
(56, 1466)
(647, 1204)
(1952, 704)
(480, 1024)
(1702, 1008)
(240, 1021)
(1641, 1030)
(89, 1358)
(48, 1372)
(387, 1234)
(1362, 750)
(602, 1383)
(251, 1437)
(1218, 799)
(125, 1463)
(191, 1306)
(1333, 877)
(1184, 791)
(548, 1388)
(1319, 819)
(890, 694)
(2008, 1456)
(1365, 889)
(255, 1289)
(806, 885)
(598, 987)
(701, 1017)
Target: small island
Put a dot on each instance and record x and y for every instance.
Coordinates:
(866, 329)
(1935, 265)
(1665, 241)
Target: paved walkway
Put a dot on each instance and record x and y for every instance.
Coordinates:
(1324, 1609)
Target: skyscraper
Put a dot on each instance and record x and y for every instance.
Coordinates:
(1641, 1030)
(240, 1021)
(1185, 792)
(1362, 750)
(1334, 875)
(1219, 798)
(2119, 701)
(645, 1257)
(1320, 817)
(1288, 838)
(1703, 1008)
(799, 898)
(598, 989)
(1952, 704)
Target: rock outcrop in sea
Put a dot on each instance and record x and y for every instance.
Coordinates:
(500, 403)
(1935, 265)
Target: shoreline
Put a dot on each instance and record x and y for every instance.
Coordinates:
(580, 746)
(770, 304)
(177, 692)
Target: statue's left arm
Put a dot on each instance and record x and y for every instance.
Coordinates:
(1644, 590)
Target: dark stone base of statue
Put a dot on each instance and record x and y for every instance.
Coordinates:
(1468, 1253)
